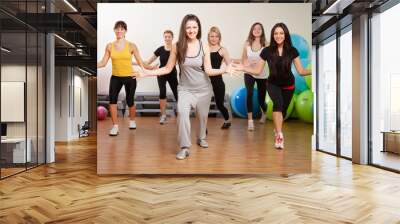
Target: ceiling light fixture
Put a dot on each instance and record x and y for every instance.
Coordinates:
(70, 5)
(5, 50)
(64, 40)
(86, 72)
(337, 7)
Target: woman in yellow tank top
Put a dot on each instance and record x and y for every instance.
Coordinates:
(120, 52)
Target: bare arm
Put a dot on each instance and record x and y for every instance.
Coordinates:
(244, 53)
(148, 62)
(103, 62)
(244, 65)
(207, 64)
(167, 68)
(299, 67)
(254, 70)
(151, 60)
(135, 52)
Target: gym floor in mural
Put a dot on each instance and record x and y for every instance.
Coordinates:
(151, 148)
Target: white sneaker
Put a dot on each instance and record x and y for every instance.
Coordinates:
(250, 125)
(132, 125)
(163, 119)
(202, 143)
(263, 117)
(279, 141)
(114, 130)
(182, 154)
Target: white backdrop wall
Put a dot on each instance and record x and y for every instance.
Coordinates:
(147, 21)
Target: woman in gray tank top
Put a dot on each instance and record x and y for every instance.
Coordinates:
(194, 89)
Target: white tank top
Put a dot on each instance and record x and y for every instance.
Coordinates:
(253, 57)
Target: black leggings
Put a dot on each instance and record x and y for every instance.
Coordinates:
(261, 89)
(219, 94)
(280, 97)
(172, 79)
(116, 84)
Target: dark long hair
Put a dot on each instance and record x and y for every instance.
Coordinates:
(287, 45)
(182, 44)
(251, 37)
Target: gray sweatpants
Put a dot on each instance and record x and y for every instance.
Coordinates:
(200, 101)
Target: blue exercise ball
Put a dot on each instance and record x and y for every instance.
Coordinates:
(301, 45)
(238, 102)
(300, 82)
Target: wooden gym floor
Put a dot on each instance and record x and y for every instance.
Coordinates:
(151, 149)
(70, 191)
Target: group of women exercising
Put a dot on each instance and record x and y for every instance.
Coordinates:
(200, 75)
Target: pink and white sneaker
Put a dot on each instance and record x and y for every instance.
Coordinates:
(279, 141)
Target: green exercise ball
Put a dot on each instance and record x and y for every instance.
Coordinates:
(308, 78)
(305, 106)
(308, 81)
(294, 112)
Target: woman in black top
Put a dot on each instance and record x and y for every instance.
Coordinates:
(280, 84)
(217, 55)
(163, 52)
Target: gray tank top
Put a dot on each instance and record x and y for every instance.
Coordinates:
(192, 76)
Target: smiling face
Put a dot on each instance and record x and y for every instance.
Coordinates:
(119, 32)
(279, 35)
(213, 38)
(192, 29)
(257, 31)
(168, 38)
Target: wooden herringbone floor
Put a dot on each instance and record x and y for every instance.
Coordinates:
(70, 191)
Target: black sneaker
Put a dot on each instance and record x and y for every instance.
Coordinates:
(226, 125)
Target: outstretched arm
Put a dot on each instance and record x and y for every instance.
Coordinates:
(148, 62)
(299, 67)
(166, 69)
(207, 64)
(103, 62)
(225, 55)
(135, 52)
(254, 70)
(151, 60)
(244, 53)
